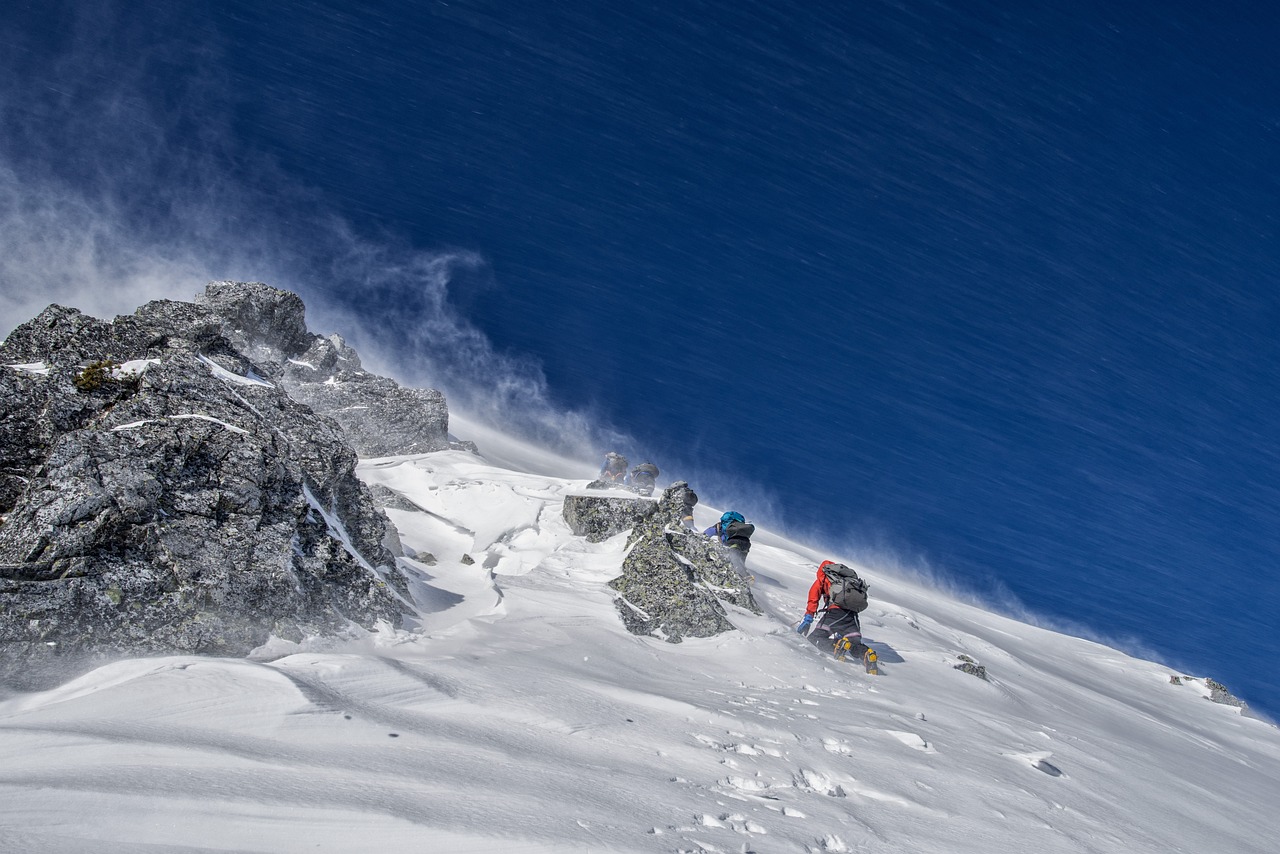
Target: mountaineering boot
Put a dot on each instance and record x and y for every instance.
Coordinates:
(842, 648)
(869, 659)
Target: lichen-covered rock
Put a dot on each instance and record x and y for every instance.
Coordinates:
(973, 668)
(185, 506)
(598, 517)
(673, 579)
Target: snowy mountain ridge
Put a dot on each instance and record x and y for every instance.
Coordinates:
(523, 717)
(516, 713)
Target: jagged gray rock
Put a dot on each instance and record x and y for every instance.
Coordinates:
(973, 668)
(673, 579)
(1218, 693)
(192, 507)
(599, 517)
(266, 326)
(378, 416)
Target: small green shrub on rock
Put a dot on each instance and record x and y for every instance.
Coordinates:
(96, 374)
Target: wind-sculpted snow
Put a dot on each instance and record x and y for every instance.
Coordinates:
(523, 716)
(181, 501)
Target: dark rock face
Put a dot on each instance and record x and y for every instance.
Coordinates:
(267, 327)
(378, 416)
(673, 579)
(264, 323)
(599, 517)
(189, 506)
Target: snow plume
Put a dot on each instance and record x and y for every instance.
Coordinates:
(721, 491)
(407, 326)
(122, 181)
(69, 238)
(118, 180)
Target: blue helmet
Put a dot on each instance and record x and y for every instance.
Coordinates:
(731, 516)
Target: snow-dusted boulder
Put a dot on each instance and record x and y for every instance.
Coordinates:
(378, 416)
(599, 517)
(177, 503)
(673, 578)
(268, 325)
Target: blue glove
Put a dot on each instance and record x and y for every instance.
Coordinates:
(805, 624)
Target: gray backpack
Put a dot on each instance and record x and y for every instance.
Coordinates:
(848, 591)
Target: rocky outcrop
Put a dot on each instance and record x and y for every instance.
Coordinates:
(266, 326)
(158, 494)
(1218, 693)
(973, 668)
(674, 579)
(378, 416)
(599, 517)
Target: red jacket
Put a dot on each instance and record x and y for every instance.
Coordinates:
(821, 589)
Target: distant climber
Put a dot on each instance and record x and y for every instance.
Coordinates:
(644, 478)
(614, 470)
(839, 631)
(734, 532)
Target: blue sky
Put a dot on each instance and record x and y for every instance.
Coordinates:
(989, 288)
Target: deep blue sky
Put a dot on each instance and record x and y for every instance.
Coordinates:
(989, 284)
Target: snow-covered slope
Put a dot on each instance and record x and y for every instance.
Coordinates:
(523, 718)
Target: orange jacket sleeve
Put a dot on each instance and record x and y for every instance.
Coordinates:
(819, 590)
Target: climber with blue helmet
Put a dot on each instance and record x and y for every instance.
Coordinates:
(734, 532)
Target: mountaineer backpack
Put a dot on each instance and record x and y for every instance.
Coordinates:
(848, 591)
